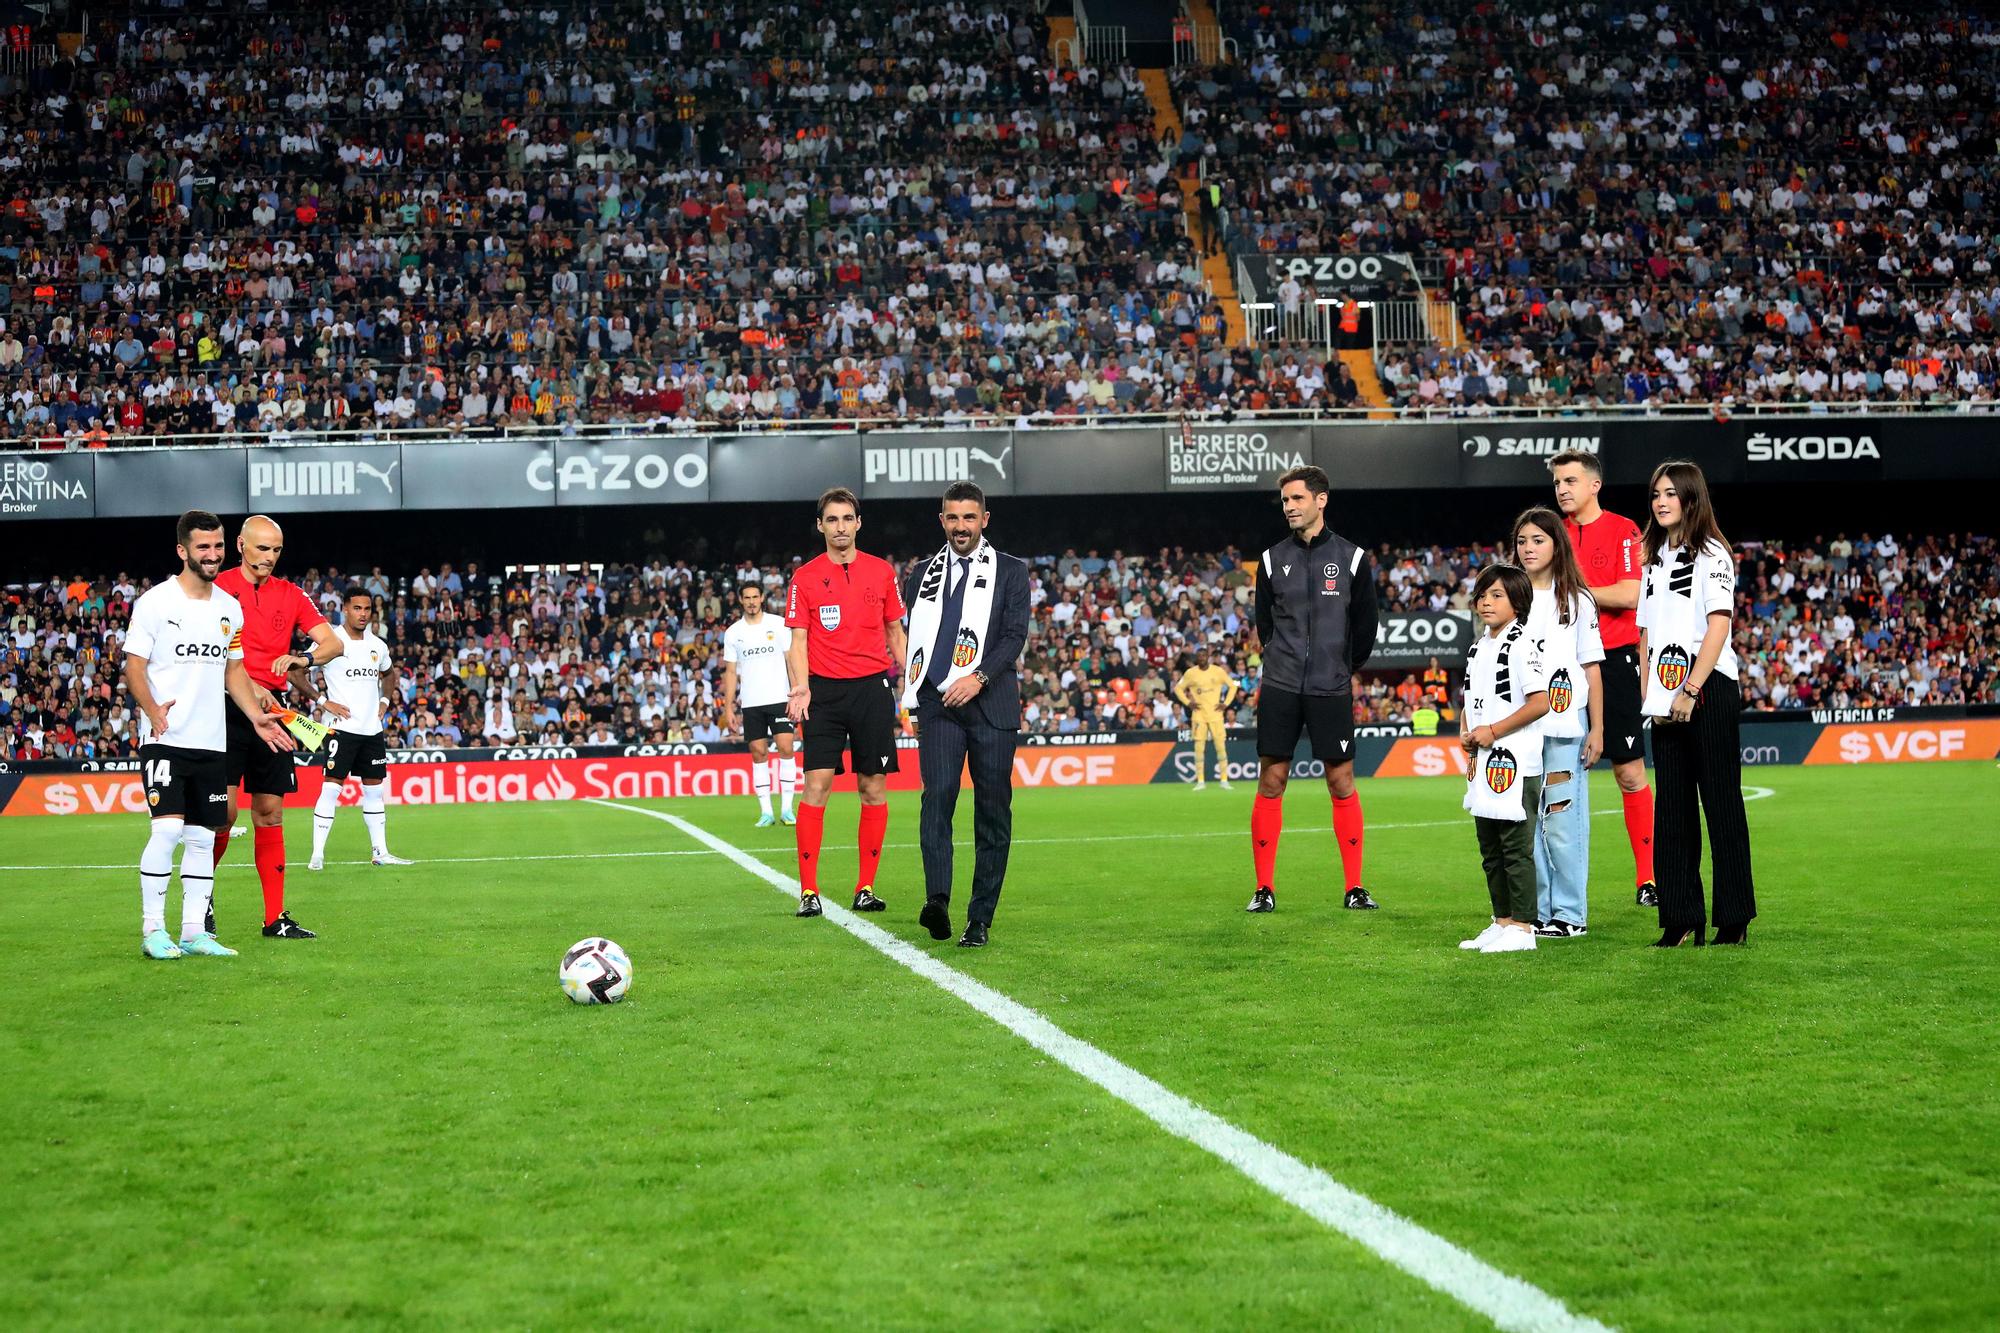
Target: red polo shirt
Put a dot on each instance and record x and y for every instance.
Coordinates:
(275, 612)
(1610, 550)
(844, 610)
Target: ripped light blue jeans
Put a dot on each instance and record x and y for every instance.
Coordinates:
(1562, 837)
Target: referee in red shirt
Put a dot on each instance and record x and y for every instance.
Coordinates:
(275, 612)
(846, 616)
(1611, 552)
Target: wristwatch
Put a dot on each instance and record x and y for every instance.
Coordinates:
(983, 679)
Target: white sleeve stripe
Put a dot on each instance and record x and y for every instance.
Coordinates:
(1267, 562)
(1358, 553)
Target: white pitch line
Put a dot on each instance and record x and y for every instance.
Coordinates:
(1749, 794)
(1508, 1301)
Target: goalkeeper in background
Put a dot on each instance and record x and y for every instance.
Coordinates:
(1207, 691)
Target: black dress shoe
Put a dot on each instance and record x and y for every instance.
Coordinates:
(974, 936)
(1732, 934)
(1676, 936)
(936, 918)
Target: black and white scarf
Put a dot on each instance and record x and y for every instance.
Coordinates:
(975, 611)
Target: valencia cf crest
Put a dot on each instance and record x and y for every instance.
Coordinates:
(1672, 665)
(225, 629)
(1501, 769)
(829, 617)
(966, 650)
(917, 665)
(1562, 692)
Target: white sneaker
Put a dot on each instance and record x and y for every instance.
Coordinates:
(1511, 939)
(1224, 784)
(1200, 785)
(317, 863)
(384, 859)
(1483, 938)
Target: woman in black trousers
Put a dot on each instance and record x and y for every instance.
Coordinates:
(1686, 605)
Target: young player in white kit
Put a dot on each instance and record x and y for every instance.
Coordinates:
(756, 679)
(184, 667)
(355, 681)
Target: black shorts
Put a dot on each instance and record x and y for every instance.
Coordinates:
(1624, 728)
(857, 715)
(366, 757)
(1328, 718)
(767, 720)
(189, 784)
(261, 770)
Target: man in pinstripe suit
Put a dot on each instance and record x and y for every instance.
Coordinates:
(961, 681)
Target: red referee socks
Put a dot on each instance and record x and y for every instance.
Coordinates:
(1347, 831)
(812, 828)
(270, 844)
(874, 827)
(1267, 821)
(1639, 829)
(222, 841)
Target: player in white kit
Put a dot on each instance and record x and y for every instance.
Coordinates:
(184, 668)
(756, 678)
(356, 681)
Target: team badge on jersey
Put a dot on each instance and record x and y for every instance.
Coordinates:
(1562, 692)
(1501, 769)
(966, 649)
(917, 665)
(829, 617)
(1673, 666)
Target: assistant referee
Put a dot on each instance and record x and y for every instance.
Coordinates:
(846, 617)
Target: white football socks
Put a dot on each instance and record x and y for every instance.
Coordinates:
(788, 779)
(323, 813)
(760, 782)
(156, 867)
(375, 814)
(197, 879)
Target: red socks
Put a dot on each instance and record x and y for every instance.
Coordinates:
(222, 841)
(1347, 831)
(812, 828)
(874, 827)
(270, 843)
(1267, 821)
(1639, 828)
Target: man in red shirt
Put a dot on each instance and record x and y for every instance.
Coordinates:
(846, 616)
(1609, 550)
(275, 612)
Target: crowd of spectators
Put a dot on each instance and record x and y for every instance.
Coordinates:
(469, 217)
(631, 654)
(1633, 202)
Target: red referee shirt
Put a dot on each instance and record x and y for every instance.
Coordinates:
(274, 613)
(1610, 551)
(843, 609)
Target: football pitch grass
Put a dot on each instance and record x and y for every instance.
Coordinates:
(405, 1122)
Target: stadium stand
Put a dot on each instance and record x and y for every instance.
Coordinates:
(1738, 202)
(631, 654)
(463, 217)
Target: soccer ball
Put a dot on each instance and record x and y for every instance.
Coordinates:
(595, 971)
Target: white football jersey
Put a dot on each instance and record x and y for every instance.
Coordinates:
(1680, 591)
(1500, 673)
(188, 644)
(1565, 651)
(759, 654)
(354, 681)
